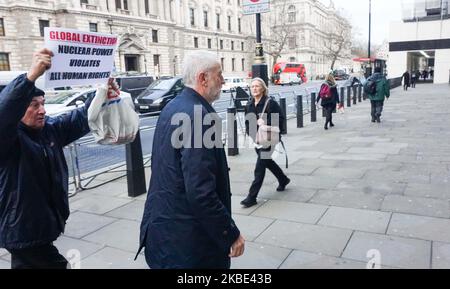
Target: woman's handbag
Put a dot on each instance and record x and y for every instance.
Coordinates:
(267, 135)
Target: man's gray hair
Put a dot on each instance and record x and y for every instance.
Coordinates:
(195, 63)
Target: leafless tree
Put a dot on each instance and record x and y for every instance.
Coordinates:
(281, 29)
(338, 41)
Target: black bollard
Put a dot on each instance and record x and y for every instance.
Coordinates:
(232, 132)
(342, 96)
(299, 111)
(284, 112)
(354, 95)
(359, 93)
(135, 168)
(313, 107)
(349, 97)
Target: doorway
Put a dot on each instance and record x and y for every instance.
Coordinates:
(132, 63)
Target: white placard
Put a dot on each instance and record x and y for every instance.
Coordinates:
(255, 6)
(80, 58)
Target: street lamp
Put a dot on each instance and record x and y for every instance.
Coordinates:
(259, 69)
(369, 72)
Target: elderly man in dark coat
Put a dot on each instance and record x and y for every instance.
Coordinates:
(34, 203)
(187, 221)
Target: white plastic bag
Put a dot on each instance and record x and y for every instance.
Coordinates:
(112, 119)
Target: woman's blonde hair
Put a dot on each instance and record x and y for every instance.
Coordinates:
(263, 84)
(330, 79)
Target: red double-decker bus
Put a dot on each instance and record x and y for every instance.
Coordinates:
(289, 73)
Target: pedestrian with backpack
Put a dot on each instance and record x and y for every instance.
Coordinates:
(378, 89)
(329, 98)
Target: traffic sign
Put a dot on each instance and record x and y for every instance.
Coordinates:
(255, 6)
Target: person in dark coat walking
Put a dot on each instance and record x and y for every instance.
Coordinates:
(255, 108)
(187, 221)
(34, 202)
(329, 102)
(413, 79)
(378, 97)
(406, 80)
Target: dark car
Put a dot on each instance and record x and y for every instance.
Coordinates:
(340, 75)
(158, 94)
(134, 85)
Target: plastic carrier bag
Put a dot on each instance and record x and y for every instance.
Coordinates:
(112, 119)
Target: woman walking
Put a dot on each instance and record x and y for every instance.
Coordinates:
(263, 107)
(330, 98)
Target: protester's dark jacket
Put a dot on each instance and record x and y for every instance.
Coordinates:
(273, 109)
(330, 101)
(406, 78)
(33, 171)
(187, 219)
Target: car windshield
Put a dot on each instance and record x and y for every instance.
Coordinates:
(164, 84)
(58, 97)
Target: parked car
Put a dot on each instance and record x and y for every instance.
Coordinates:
(340, 75)
(232, 82)
(159, 94)
(60, 102)
(135, 84)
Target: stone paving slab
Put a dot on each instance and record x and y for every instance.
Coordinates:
(304, 260)
(260, 256)
(310, 238)
(98, 204)
(359, 220)
(418, 206)
(236, 207)
(419, 227)
(81, 224)
(123, 234)
(291, 211)
(343, 173)
(348, 198)
(66, 244)
(317, 182)
(111, 258)
(355, 157)
(394, 251)
(367, 186)
(112, 189)
(293, 193)
(428, 191)
(252, 226)
(375, 150)
(132, 211)
(441, 255)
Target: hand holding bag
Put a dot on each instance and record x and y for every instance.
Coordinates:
(112, 119)
(267, 135)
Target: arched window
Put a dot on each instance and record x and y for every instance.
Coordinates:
(292, 14)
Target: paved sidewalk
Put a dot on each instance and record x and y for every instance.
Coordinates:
(356, 188)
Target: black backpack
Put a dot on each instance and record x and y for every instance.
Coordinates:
(370, 87)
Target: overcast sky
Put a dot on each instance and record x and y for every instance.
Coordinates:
(383, 12)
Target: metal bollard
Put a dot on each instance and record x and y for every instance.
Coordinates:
(299, 111)
(135, 168)
(354, 95)
(342, 96)
(359, 93)
(349, 97)
(284, 112)
(232, 132)
(313, 107)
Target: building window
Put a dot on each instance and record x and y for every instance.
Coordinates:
(292, 14)
(4, 62)
(222, 61)
(119, 4)
(2, 27)
(147, 7)
(156, 64)
(192, 16)
(243, 64)
(292, 42)
(155, 36)
(42, 25)
(221, 44)
(196, 42)
(292, 59)
(83, 2)
(229, 23)
(218, 21)
(242, 46)
(125, 4)
(239, 25)
(232, 45)
(233, 60)
(93, 27)
(205, 18)
(209, 43)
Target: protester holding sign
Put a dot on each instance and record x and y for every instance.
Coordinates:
(34, 202)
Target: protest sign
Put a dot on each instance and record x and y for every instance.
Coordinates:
(80, 58)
